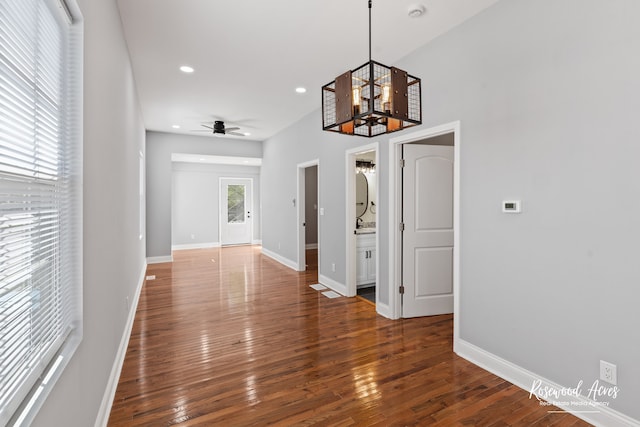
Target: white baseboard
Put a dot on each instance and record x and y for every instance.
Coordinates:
(159, 259)
(384, 310)
(112, 384)
(282, 260)
(311, 246)
(338, 287)
(525, 379)
(206, 245)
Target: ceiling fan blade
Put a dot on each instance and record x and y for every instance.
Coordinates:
(226, 129)
(199, 130)
(208, 127)
(235, 133)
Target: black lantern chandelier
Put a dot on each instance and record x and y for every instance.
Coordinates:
(371, 100)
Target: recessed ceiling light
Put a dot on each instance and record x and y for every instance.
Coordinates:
(202, 160)
(176, 126)
(301, 89)
(186, 69)
(245, 161)
(247, 134)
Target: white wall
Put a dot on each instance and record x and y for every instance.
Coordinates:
(546, 92)
(195, 202)
(160, 146)
(113, 253)
(302, 142)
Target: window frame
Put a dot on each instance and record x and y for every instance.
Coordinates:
(22, 408)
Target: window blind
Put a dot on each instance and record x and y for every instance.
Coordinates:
(38, 201)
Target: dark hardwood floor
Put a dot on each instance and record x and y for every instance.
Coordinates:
(228, 337)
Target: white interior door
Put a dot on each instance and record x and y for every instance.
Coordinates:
(235, 211)
(427, 240)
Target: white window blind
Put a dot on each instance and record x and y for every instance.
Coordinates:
(39, 215)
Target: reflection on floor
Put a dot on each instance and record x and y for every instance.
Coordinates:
(368, 293)
(311, 256)
(230, 337)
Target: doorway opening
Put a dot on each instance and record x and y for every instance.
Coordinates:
(362, 185)
(425, 203)
(308, 225)
(366, 225)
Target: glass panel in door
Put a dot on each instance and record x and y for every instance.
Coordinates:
(235, 204)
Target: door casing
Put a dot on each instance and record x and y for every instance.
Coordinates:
(395, 218)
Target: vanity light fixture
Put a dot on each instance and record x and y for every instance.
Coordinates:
(365, 166)
(371, 100)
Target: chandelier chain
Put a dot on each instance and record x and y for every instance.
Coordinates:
(369, 30)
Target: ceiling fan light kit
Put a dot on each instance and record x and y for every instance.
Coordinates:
(371, 100)
(218, 128)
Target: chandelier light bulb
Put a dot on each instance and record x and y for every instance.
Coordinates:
(386, 97)
(356, 99)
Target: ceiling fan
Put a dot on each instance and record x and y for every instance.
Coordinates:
(218, 128)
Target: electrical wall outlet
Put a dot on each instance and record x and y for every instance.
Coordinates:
(333, 267)
(608, 372)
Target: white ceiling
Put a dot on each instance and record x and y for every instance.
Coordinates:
(250, 55)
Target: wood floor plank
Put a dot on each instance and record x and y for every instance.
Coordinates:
(228, 337)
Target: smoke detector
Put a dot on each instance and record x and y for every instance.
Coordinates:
(416, 10)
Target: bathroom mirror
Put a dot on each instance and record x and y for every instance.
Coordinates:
(362, 194)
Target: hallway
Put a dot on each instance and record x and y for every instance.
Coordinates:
(229, 337)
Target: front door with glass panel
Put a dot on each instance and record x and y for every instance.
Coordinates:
(235, 211)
